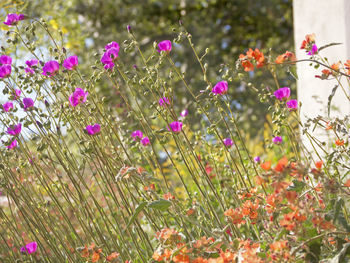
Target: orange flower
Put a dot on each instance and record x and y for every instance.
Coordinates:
(266, 165)
(190, 212)
(168, 196)
(291, 196)
(95, 256)
(288, 56)
(235, 215)
(247, 65)
(112, 256)
(328, 127)
(250, 209)
(339, 142)
(279, 245)
(281, 164)
(318, 164)
(335, 67)
(347, 183)
(309, 39)
(181, 258)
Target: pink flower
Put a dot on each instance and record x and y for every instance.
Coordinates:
(175, 126)
(14, 129)
(30, 64)
(292, 105)
(5, 71)
(282, 93)
(137, 135)
(93, 129)
(17, 94)
(257, 159)
(163, 101)
(313, 50)
(12, 19)
(164, 46)
(108, 58)
(220, 88)
(277, 140)
(78, 96)
(12, 145)
(7, 106)
(28, 103)
(5, 60)
(145, 141)
(71, 62)
(29, 248)
(228, 142)
(51, 68)
(184, 113)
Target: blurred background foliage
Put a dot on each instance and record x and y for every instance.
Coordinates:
(226, 27)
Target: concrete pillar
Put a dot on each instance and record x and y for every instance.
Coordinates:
(330, 21)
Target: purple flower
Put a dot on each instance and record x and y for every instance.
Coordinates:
(175, 126)
(163, 101)
(111, 54)
(137, 135)
(277, 140)
(164, 46)
(28, 103)
(29, 248)
(220, 88)
(113, 44)
(71, 62)
(145, 141)
(282, 93)
(17, 94)
(228, 142)
(12, 145)
(78, 96)
(14, 129)
(257, 159)
(93, 129)
(12, 19)
(7, 106)
(5, 60)
(30, 64)
(51, 68)
(292, 105)
(184, 113)
(5, 71)
(313, 50)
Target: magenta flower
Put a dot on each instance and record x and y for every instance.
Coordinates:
(184, 113)
(277, 140)
(29, 248)
(5, 60)
(14, 129)
(93, 129)
(163, 101)
(7, 106)
(220, 88)
(12, 19)
(71, 62)
(5, 71)
(313, 50)
(108, 58)
(145, 141)
(228, 142)
(292, 105)
(137, 135)
(175, 126)
(257, 159)
(30, 64)
(78, 96)
(164, 46)
(282, 93)
(17, 94)
(51, 68)
(28, 103)
(12, 145)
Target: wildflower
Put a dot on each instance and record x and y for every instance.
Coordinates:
(14, 129)
(308, 42)
(137, 135)
(325, 74)
(5, 71)
(228, 142)
(175, 126)
(7, 106)
(347, 66)
(282, 163)
(5, 60)
(313, 50)
(110, 55)
(319, 164)
(250, 209)
(339, 142)
(51, 68)
(78, 96)
(28, 103)
(17, 94)
(257, 159)
(184, 113)
(266, 165)
(335, 67)
(29, 248)
(163, 101)
(246, 64)
(220, 88)
(235, 215)
(112, 256)
(282, 93)
(93, 129)
(145, 141)
(288, 56)
(292, 105)
(164, 46)
(12, 19)
(30, 64)
(71, 62)
(168, 196)
(347, 183)
(12, 145)
(277, 140)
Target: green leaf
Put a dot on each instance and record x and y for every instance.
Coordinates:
(138, 209)
(329, 45)
(330, 97)
(160, 204)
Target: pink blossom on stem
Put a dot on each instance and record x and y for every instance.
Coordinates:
(292, 105)
(175, 126)
(145, 141)
(7, 106)
(12, 19)
(110, 55)
(12, 145)
(164, 101)
(5, 71)
(93, 129)
(14, 129)
(30, 63)
(78, 96)
(277, 140)
(28, 103)
(29, 248)
(228, 142)
(51, 68)
(71, 62)
(137, 135)
(5, 60)
(184, 113)
(164, 45)
(220, 88)
(282, 93)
